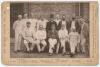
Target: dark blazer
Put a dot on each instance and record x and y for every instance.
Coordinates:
(51, 34)
(49, 24)
(60, 24)
(77, 25)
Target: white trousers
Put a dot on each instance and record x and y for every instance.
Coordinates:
(83, 42)
(43, 42)
(52, 43)
(63, 44)
(72, 47)
(27, 41)
(18, 39)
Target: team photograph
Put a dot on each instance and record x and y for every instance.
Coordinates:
(49, 30)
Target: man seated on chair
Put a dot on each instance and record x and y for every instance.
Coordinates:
(28, 37)
(52, 39)
(63, 37)
(41, 34)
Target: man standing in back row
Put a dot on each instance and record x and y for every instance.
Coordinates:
(24, 20)
(17, 27)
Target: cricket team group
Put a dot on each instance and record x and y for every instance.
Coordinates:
(53, 32)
